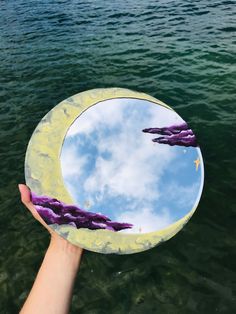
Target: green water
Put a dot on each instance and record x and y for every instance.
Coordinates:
(182, 52)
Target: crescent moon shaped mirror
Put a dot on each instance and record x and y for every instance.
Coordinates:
(114, 171)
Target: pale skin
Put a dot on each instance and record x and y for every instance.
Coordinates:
(52, 289)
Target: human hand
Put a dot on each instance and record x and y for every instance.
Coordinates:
(52, 289)
(55, 237)
(26, 200)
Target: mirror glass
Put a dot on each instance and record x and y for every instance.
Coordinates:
(134, 161)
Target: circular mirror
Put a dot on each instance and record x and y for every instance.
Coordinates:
(114, 171)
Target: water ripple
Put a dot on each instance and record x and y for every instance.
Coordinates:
(183, 54)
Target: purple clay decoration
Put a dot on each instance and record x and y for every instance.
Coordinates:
(54, 211)
(180, 135)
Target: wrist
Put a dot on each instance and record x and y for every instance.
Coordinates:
(63, 247)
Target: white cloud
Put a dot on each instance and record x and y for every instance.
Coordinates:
(128, 164)
(109, 114)
(71, 163)
(136, 164)
(162, 117)
(145, 220)
(184, 196)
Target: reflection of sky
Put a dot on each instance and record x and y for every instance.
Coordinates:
(110, 166)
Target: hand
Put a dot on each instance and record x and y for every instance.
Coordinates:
(52, 289)
(55, 238)
(26, 200)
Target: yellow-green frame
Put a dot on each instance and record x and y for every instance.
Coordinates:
(43, 174)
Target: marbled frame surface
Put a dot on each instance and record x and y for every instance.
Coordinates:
(43, 174)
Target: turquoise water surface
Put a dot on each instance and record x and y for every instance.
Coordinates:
(182, 52)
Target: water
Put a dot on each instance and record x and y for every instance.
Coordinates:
(181, 52)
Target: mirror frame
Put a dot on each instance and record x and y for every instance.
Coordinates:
(44, 177)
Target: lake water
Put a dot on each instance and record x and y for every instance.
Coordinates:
(181, 52)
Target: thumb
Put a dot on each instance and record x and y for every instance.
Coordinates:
(26, 200)
(25, 194)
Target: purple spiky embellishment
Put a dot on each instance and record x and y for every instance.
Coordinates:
(180, 135)
(54, 211)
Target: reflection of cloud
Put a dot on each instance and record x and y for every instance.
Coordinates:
(72, 163)
(108, 116)
(146, 220)
(164, 117)
(132, 169)
(109, 162)
(184, 196)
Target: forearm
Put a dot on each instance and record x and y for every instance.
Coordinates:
(52, 289)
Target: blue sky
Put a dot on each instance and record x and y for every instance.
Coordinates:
(110, 166)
